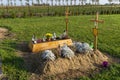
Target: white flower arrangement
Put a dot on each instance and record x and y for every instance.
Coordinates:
(48, 55)
(82, 47)
(67, 52)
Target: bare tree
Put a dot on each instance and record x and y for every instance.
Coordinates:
(62, 2)
(59, 2)
(11, 4)
(117, 1)
(27, 2)
(32, 2)
(1, 2)
(55, 2)
(21, 2)
(110, 1)
(38, 2)
(79, 2)
(67, 2)
(41, 1)
(74, 2)
(84, 1)
(97, 2)
(70, 2)
(93, 1)
(47, 2)
(52, 2)
(14, 2)
(89, 1)
(8, 2)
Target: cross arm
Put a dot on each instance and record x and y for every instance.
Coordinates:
(99, 21)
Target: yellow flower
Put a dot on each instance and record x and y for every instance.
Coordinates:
(48, 35)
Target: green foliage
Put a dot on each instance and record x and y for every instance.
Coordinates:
(80, 29)
(13, 67)
(110, 73)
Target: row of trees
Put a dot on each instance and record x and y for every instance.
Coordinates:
(112, 1)
(56, 2)
(38, 11)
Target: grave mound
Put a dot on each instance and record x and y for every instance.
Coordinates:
(83, 62)
(3, 33)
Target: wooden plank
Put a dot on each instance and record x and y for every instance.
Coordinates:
(95, 31)
(49, 45)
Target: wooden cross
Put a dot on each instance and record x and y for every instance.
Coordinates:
(66, 19)
(95, 30)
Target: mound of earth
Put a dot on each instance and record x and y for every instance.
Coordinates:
(82, 64)
(3, 33)
(81, 61)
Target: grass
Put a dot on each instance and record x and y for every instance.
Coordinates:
(13, 66)
(80, 29)
(112, 73)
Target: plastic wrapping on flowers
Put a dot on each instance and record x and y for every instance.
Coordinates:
(66, 52)
(82, 47)
(48, 55)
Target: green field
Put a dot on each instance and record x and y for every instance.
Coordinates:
(80, 29)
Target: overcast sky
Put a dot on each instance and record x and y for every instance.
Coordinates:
(18, 2)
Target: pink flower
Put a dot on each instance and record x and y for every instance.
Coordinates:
(105, 64)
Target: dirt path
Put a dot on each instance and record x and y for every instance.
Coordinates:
(3, 33)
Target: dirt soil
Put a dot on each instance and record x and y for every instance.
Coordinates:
(3, 33)
(82, 61)
(82, 64)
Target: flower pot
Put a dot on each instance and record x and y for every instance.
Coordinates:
(35, 48)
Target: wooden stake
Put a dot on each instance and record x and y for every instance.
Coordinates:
(66, 19)
(95, 30)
